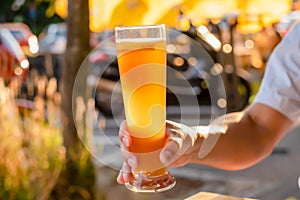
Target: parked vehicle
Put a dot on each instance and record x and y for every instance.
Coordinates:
(13, 62)
(53, 39)
(22, 33)
(187, 66)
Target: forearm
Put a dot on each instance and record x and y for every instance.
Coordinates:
(236, 149)
(246, 142)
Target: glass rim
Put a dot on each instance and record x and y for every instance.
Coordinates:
(117, 28)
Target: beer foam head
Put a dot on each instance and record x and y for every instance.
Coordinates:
(139, 40)
(129, 44)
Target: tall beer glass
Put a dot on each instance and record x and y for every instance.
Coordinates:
(141, 52)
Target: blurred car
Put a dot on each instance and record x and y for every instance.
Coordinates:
(184, 86)
(53, 39)
(13, 62)
(22, 33)
(189, 74)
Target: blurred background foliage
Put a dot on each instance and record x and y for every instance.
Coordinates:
(75, 177)
(31, 145)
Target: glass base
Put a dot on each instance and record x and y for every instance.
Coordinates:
(143, 182)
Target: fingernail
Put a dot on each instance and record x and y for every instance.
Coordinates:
(166, 156)
(119, 180)
(131, 162)
(125, 141)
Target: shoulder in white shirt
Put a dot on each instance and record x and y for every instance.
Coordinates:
(280, 88)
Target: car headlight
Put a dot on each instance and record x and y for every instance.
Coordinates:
(33, 44)
(24, 63)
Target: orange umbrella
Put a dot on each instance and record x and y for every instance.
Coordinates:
(249, 11)
(100, 12)
(209, 9)
(159, 8)
(198, 11)
(255, 14)
(106, 14)
(128, 13)
(140, 12)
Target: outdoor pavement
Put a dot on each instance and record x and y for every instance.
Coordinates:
(275, 178)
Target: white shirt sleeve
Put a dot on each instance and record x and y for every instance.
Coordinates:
(280, 88)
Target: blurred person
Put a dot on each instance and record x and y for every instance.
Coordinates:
(266, 40)
(263, 124)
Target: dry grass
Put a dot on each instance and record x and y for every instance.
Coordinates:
(31, 144)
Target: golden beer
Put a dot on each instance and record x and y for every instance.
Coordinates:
(142, 67)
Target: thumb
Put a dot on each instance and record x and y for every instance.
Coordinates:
(181, 139)
(169, 152)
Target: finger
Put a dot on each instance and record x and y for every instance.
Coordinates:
(122, 172)
(181, 161)
(169, 152)
(124, 135)
(129, 157)
(125, 174)
(120, 179)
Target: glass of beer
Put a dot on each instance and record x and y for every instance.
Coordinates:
(141, 52)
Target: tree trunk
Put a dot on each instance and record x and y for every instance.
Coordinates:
(77, 50)
(78, 178)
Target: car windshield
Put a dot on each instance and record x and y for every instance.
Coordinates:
(61, 33)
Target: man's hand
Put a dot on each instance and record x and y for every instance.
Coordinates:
(178, 150)
(130, 161)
